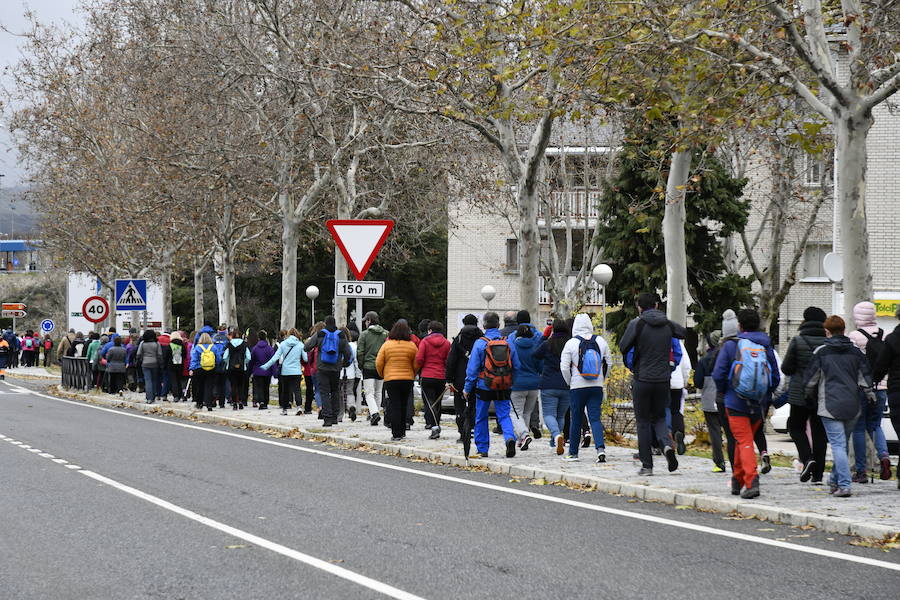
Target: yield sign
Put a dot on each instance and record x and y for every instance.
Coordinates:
(359, 241)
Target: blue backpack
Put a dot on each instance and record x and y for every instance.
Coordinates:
(590, 364)
(220, 339)
(330, 346)
(751, 375)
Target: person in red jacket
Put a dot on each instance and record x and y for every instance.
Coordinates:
(431, 359)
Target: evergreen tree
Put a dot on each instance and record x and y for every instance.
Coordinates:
(632, 208)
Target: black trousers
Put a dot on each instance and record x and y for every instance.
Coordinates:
(238, 384)
(116, 382)
(310, 393)
(261, 385)
(329, 392)
(894, 405)
(203, 384)
(714, 427)
(176, 381)
(432, 391)
(650, 402)
(796, 424)
(675, 411)
(291, 391)
(399, 392)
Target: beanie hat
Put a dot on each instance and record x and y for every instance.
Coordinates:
(814, 313)
(714, 338)
(864, 314)
(470, 319)
(730, 325)
(523, 316)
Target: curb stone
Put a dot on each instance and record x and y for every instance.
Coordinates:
(761, 511)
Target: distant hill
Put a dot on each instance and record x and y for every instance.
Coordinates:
(17, 216)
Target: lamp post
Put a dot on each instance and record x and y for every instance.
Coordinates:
(602, 274)
(488, 292)
(312, 292)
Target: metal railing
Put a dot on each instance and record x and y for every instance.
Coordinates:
(76, 373)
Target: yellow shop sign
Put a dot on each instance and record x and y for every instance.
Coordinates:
(886, 308)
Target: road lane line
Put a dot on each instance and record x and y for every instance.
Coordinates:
(513, 491)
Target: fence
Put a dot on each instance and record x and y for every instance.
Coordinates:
(76, 373)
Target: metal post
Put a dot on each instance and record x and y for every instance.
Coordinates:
(603, 301)
(359, 314)
(312, 313)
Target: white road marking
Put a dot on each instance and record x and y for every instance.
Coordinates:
(60, 461)
(35, 450)
(513, 491)
(46, 455)
(70, 466)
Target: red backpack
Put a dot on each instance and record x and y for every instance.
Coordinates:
(497, 370)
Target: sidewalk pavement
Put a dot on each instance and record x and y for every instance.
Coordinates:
(871, 512)
(32, 373)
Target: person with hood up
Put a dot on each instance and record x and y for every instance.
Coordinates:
(177, 354)
(836, 374)
(703, 381)
(431, 363)
(650, 336)
(869, 338)
(64, 344)
(237, 360)
(333, 355)
(207, 328)
(799, 353)
(554, 388)
(262, 378)
(203, 372)
(585, 390)
(370, 341)
(526, 380)
(888, 365)
(745, 416)
(457, 361)
(292, 355)
(150, 355)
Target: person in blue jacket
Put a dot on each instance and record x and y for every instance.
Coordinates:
(203, 380)
(554, 389)
(526, 380)
(745, 417)
(207, 328)
(292, 356)
(484, 396)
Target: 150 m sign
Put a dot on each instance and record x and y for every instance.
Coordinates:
(359, 289)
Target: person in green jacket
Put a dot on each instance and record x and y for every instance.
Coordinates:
(93, 356)
(370, 341)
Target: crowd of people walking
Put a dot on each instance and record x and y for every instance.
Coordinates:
(836, 382)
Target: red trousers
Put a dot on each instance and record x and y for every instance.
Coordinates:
(743, 428)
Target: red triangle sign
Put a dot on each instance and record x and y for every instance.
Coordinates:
(359, 241)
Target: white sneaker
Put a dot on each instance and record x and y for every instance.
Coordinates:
(601, 456)
(570, 458)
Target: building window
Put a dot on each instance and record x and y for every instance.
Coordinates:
(817, 170)
(812, 261)
(512, 256)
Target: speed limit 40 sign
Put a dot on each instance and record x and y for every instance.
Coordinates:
(95, 309)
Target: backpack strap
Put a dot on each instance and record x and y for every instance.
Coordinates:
(878, 336)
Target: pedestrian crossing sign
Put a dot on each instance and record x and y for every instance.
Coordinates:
(131, 294)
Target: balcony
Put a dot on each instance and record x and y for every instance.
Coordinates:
(592, 297)
(580, 204)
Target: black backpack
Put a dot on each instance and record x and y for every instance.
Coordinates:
(874, 347)
(236, 357)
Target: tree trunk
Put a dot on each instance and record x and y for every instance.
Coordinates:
(230, 296)
(673, 237)
(198, 295)
(219, 269)
(530, 251)
(165, 284)
(851, 132)
(289, 242)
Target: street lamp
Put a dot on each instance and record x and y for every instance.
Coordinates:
(602, 274)
(488, 292)
(312, 292)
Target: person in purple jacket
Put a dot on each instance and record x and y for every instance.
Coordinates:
(262, 378)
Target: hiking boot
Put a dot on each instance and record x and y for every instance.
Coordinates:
(752, 491)
(679, 442)
(435, 433)
(427, 426)
(718, 469)
(766, 463)
(497, 429)
(510, 448)
(479, 455)
(560, 444)
(885, 468)
(601, 456)
(636, 456)
(861, 477)
(645, 471)
(526, 441)
(817, 481)
(352, 412)
(586, 440)
(397, 439)
(460, 440)
(374, 419)
(671, 458)
(570, 458)
(842, 493)
(536, 432)
(833, 487)
(808, 468)
(735, 486)
(283, 412)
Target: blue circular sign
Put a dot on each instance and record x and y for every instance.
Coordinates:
(47, 326)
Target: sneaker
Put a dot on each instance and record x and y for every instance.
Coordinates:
(657, 451)
(374, 419)
(766, 464)
(427, 426)
(735, 486)
(636, 456)
(679, 442)
(497, 429)
(601, 456)
(560, 444)
(510, 448)
(718, 469)
(352, 412)
(397, 439)
(570, 458)
(885, 468)
(842, 493)
(298, 413)
(645, 471)
(283, 412)
(671, 458)
(526, 441)
(460, 440)
(479, 455)
(536, 432)
(861, 477)
(808, 468)
(833, 487)
(817, 481)
(435, 433)
(752, 491)
(586, 440)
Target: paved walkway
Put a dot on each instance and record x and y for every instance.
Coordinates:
(871, 512)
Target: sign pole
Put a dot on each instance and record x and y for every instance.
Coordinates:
(359, 314)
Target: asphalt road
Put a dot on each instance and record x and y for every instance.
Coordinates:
(143, 507)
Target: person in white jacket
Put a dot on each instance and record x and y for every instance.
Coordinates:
(350, 377)
(680, 376)
(585, 389)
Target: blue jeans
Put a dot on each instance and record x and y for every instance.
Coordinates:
(838, 433)
(592, 397)
(483, 399)
(870, 421)
(151, 383)
(554, 403)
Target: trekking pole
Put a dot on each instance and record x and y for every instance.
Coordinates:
(439, 398)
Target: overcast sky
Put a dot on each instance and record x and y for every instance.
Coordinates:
(60, 12)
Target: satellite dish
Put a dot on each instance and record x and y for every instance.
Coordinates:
(833, 266)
